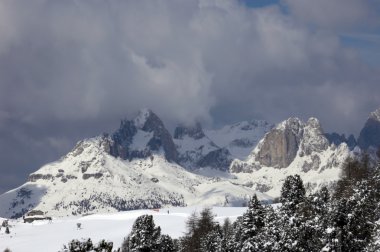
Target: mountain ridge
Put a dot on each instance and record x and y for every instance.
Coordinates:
(142, 165)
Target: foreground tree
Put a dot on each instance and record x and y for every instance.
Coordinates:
(251, 226)
(200, 229)
(144, 236)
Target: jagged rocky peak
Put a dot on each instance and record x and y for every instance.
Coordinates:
(313, 139)
(193, 131)
(142, 117)
(141, 137)
(197, 150)
(279, 146)
(252, 124)
(370, 134)
(375, 115)
(336, 139)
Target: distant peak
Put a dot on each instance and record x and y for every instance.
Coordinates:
(375, 115)
(142, 117)
(194, 131)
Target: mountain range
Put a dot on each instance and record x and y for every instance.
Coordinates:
(143, 165)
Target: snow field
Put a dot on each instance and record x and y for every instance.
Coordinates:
(45, 236)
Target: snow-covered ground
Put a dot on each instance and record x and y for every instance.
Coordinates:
(45, 236)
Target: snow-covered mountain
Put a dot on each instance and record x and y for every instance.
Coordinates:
(142, 166)
(370, 134)
(240, 138)
(141, 137)
(88, 180)
(292, 147)
(198, 150)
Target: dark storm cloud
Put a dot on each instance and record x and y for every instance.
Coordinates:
(71, 69)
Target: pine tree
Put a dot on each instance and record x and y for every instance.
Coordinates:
(104, 246)
(227, 243)
(293, 216)
(271, 233)
(252, 224)
(211, 242)
(144, 236)
(80, 246)
(292, 193)
(166, 244)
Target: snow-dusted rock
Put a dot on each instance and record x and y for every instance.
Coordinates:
(197, 150)
(370, 134)
(292, 147)
(89, 180)
(142, 137)
(142, 166)
(240, 138)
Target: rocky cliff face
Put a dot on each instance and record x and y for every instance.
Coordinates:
(313, 138)
(292, 142)
(240, 138)
(196, 150)
(370, 134)
(280, 145)
(195, 132)
(141, 137)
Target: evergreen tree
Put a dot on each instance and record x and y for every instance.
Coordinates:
(271, 233)
(294, 215)
(252, 224)
(292, 193)
(144, 236)
(80, 246)
(166, 244)
(211, 242)
(236, 243)
(227, 243)
(104, 246)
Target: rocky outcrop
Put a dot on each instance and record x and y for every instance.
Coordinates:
(370, 134)
(240, 138)
(196, 150)
(279, 147)
(336, 139)
(195, 132)
(35, 176)
(219, 159)
(141, 137)
(282, 144)
(313, 139)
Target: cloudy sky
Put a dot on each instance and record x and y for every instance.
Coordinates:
(72, 69)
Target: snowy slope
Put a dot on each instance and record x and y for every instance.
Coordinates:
(193, 146)
(141, 166)
(89, 180)
(240, 138)
(42, 236)
(317, 162)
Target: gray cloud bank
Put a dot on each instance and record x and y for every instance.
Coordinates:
(71, 69)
